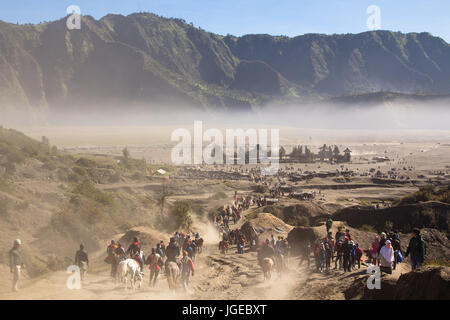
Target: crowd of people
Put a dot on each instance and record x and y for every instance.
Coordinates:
(180, 244)
(233, 212)
(340, 249)
(347, 255)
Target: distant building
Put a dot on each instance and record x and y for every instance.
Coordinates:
(347, 155)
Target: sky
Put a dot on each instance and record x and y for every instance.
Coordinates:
(239, 17)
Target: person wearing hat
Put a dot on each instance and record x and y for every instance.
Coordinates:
(417, 248)
(16, 263)
(111, 258)
(134, 250)
(382, 241)
(386, 257)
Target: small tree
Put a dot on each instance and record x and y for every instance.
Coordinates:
(180, 214)
(163, 198)
(45, 141)
(282, 152)
(388, 225)
(126, 153)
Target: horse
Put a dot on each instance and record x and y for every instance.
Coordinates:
(267, 265)
(280, 266)
(172, 274)
(128, 270)
(199, 244)
(223, 245)
(192, 250)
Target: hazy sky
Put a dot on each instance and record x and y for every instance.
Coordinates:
(238, 17)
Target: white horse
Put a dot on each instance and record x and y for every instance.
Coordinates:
(128, 270)
(173, 275)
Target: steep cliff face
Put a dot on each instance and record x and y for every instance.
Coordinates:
(143, 60)
(344, 64)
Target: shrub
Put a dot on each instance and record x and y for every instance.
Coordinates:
(218, 196)
(22, 205)
(299, 221)
(4, 207)
(261, 188)
(88, 190)
(367, 228)
(180, 213)
(114, 178)
(83, 162)
(4, 185)
(80, 171)
(388, 225)
(63, 174)
(439, 262)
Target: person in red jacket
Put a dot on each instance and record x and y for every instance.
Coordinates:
(155, 262)
(187, 267)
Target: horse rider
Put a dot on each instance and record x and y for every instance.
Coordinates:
(187, 267)
(160, 249)
(134, 250)
(172, 252)
(191, 249)
(120, 253)
(266, 251)
(82, 261)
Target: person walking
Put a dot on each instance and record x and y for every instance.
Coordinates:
(395, 241)
(82, 261)
(359, 254)
(382, 241)
(329, 224)
(155, 262)
(417, 248)
(16, 263)
(187, 267)
(386, 257)
(375, 246)
(347, 253)
(339, 255)
(111, 257)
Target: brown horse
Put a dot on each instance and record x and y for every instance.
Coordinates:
(280, 264)
(199, 245)
(267, 265)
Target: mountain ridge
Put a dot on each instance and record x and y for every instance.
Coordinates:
(147, 62)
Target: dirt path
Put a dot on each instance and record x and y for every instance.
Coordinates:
(217, 277)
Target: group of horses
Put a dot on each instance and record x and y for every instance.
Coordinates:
(129, 272)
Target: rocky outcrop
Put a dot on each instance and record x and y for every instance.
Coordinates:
(431, 214)
(265, 225)
(427, 283)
